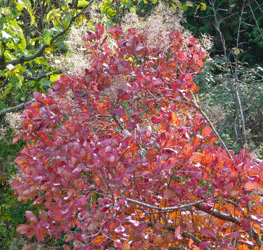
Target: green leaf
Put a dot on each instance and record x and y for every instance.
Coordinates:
(9, 56)
(127, 3)
(197, 8)
(45, 83)
(20, 6)
(7, 90)
(189, 4)
(82, 4)
(52, 14)
(27, 5)
(133, 9)
(5, 36)
(47, 36)
(41, 61)
(66, 20)
(184, 7)
(14, 80)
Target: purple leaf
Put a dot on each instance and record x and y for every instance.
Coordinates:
(203, 245)
(245, 224)
(234, 235)
(119, 112)
(208, 232)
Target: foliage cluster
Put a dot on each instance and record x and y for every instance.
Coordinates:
(124, 157)
(33, 34)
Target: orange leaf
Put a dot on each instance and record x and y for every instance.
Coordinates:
(196, 157)
(200, 63)
(98, 239)
(173, 118)
(172, 215)
(126, 246)
(213, 139)
(187, 149)
(207, 132)
(190, 243)
(250, 186)
(169, 194)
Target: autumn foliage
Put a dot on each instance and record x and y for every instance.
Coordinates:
(119, 158)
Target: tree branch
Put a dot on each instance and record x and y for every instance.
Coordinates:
(229, 217)
(164, 208)
(13, 109)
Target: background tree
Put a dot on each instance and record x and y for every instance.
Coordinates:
(233, 93)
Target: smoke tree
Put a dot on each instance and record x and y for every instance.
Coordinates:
(123, 158)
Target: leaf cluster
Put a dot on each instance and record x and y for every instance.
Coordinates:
(123, 157)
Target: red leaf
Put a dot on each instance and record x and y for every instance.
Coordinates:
(245, 224)
(169, 194)
(170, 237)
(38, 200)
(24, 229)
(208, 232)
(157, 120)
(31, 217)
(190, 243)
(181, 56)
(127, 133)
(207, 132)
(200, 63)
(99, 30)
(82, 201)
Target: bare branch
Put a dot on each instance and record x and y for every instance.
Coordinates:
(164, 208)
(13, 109)
(236, 78)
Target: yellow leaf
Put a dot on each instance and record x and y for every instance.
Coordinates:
(54, 77)
(49, 49)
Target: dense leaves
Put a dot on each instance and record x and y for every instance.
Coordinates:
(120, 158)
